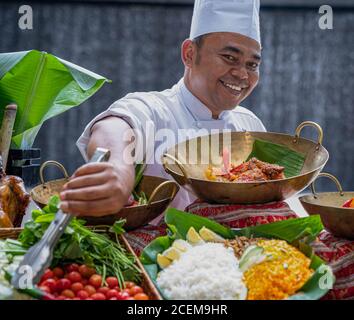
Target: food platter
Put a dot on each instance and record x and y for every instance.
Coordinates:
(160, 193)
(329, 205)
(200, 258)
(192, 178)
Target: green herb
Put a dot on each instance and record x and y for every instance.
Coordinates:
(141, 197)
(83, 245)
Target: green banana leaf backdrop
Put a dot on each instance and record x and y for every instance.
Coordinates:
(43, 86)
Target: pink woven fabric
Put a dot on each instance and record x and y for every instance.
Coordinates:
(338, 253)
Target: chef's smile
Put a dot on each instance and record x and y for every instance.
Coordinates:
(232, 88)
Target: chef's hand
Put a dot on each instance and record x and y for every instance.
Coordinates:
(95, 189)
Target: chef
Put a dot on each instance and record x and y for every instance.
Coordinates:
(221, 61)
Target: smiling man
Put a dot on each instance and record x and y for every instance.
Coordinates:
(221, 59)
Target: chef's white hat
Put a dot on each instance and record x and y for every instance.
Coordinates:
(239, 16)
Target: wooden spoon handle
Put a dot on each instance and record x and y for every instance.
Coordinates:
(6, 132)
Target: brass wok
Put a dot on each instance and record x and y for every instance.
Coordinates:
(337, 220)
(191, 175)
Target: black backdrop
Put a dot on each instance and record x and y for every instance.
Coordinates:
(307, 73)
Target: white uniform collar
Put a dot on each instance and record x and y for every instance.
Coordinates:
(197, 108)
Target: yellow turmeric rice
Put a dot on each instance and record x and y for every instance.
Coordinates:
(279, 277)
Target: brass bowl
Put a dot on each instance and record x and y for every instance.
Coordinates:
(336, 219)
(192, 175)
(160, 193)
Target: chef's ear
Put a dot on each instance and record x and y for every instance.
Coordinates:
(188, 52)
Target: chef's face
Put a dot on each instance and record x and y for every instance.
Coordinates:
(222, 70)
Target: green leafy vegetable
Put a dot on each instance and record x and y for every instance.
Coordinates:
(141, 197)
(80, 244)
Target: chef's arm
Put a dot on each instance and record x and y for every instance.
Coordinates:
(97, 189)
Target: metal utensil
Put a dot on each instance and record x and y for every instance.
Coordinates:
(191, 176)
(39, 256)
(329, 205)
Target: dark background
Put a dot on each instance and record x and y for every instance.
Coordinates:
(306, 74)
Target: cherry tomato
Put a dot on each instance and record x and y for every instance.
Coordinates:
(127, 291)
(130, 298)
(117, 288)
(51, 284)
(72, 267)
(45, 289)
(90, 289)
(141, 296)
(135, 290)
(112, 282)
(103, 290)
(98, 296)
(60, 298)
(48, 274)
(95, 280)
(63, 284)
(86, 271)
(112, 294)
(82, 294)
(76, 298)
(68, 293)
(77, 286)
(113, 298)
(74, 276)
(122, 296)
(58, 272)
(129, 284)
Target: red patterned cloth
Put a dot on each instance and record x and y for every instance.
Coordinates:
(338, 253)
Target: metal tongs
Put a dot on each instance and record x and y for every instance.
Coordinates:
(39, 256)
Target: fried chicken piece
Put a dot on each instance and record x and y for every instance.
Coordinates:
(256, 170)
(13, 200)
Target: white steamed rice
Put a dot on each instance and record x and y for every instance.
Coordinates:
(207, 271)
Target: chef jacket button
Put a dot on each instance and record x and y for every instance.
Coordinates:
(199, 125)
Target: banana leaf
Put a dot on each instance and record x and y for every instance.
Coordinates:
(278, 154)
(299, 232)
(43, 86)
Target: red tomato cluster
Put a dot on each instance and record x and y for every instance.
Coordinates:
(74, 282)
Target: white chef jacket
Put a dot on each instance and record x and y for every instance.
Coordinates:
(175, 108)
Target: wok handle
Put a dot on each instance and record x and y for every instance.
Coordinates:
(179, 164)
(159, 187)
(333, 178)
(309, 124)
(55, 163)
